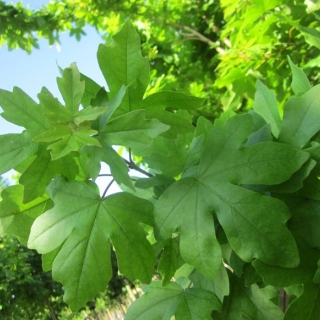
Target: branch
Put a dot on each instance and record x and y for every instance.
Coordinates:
(132, 165)
(194, 34)
(107, 188)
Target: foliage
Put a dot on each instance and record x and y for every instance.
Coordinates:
(213, 49)
(227, 211)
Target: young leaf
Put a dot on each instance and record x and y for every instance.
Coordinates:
(163, 302)
(17, 217)
(265, 104)
(300, 83)
(70, 138)
(71, 88)
(85, 224)
(122, 64)
(300, 119)
(21, 110)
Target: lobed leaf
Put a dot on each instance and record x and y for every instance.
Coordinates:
(83, 225)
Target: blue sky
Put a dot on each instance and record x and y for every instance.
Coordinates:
(31, 72)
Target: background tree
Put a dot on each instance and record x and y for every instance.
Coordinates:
(212, 49)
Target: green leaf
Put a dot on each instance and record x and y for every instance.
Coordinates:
(118, 167)
(71, 88)
(305, 220)
(21, 110)
(16, 217)
(90, 91)
(175, 152)
(183, 205)
(247, 303)
(70, 138)
(219, 286)
(15, 148)
(265, 104)
(85, 224)
(42, 170)
(188, 203)
(132, 130)
(122, 64)
(311, 35)
(156, 106)
(285, 277)
(300, 83)
(169, 261)
(307, 306)
(300, 119)
(163, 302)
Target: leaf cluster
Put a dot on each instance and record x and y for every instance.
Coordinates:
(226, 213)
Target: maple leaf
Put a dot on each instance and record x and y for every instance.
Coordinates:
(162, 302)
(215, 187)
(16, 217)
(83, 225)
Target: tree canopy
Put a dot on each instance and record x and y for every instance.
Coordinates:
(212, 49)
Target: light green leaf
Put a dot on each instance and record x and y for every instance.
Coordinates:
(265, 104)
(70, 138)
(132, 130)
(247, 303)
(307, 306)
(71, 88)
(89, 114)
(163, 302)
(15, 148)
(300, 119)
(16, 217)
(90, 91)
(300, 83)
(84, 224)
(122, 64)
(311, 35)
(42, 170)
(21, 110)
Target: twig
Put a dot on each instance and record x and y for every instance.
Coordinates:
(132, 165)
(107, 188)
(105, 175)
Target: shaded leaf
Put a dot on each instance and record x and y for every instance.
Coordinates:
(16, 217)
(15, 148)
